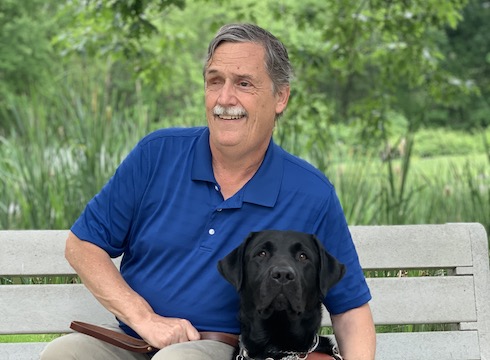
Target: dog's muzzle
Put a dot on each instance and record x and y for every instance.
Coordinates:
(280, 290)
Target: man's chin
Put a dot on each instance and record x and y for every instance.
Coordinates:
(227, 134)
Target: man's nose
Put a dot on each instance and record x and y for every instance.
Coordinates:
(227, 94)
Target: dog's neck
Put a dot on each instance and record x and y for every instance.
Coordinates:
(279, 355)
(279, 333)
(276, 338)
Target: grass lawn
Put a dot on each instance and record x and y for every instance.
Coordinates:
(28, 338)
(435, 166)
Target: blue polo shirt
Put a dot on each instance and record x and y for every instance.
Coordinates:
(163, 211)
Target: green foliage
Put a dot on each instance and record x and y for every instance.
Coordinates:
(441, 142)
(356, 62)
(468, 58)
(83, 80)
(116, 26)
(436, 190)
(60, 152)
(381, 57)
(48, 174)
(28, 338)
(26, 55)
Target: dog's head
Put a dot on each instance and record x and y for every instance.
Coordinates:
(281, 271)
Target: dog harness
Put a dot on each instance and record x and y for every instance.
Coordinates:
(289, 355)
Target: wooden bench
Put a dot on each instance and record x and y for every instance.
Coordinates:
(456, 297)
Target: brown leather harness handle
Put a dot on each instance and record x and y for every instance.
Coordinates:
(130, 343)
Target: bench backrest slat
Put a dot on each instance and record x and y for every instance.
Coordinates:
(40, 309)
(37, 252)
(34, 253)
(423, 300)
(413, 246)
(442, 345)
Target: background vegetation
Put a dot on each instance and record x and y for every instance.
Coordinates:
(390, 98)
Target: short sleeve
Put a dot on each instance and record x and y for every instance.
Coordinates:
(106, 220)
(352, 291)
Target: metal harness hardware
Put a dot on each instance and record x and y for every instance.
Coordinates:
(336, 354)
(290, 355)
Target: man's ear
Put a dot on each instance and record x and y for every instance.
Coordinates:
(231, 266)
(282, 98)
(330, 271)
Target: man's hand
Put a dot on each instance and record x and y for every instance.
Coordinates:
(160, 331)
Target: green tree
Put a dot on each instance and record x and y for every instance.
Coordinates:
(371, 59)
(27, 60)
(362, 63)
(26, 55)
(467, 49)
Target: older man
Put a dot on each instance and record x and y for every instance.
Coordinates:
(184, 198)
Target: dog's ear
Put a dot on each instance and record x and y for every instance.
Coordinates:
(331, 270)
(231, 266)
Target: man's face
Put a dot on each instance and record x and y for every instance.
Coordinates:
(236, 78)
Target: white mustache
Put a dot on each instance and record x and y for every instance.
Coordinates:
(229, 111)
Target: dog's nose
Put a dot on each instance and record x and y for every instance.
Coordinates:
(283, 274)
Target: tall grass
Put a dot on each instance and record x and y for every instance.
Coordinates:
(59, 151)
(437, 190)
(57, 155)
(61, 147)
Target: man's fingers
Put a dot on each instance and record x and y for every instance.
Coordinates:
(192, 333)
(168, 331)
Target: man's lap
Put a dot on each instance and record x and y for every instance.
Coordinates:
(78, 346)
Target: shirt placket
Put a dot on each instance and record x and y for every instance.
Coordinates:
(216, 218)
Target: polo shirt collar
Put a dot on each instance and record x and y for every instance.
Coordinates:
(262, 189)
(202, 167)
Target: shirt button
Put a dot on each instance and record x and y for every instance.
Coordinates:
(211, 231)
(219, 209)
(216, 187)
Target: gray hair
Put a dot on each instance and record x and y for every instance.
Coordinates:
(276, 56)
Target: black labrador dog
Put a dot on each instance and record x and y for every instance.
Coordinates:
(282, 278)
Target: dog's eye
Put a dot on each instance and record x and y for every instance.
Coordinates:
(262, 253)
(302, 257)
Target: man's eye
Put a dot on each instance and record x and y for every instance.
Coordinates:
(213, 82)
(244, 84)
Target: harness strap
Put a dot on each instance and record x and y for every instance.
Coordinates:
(130, 343)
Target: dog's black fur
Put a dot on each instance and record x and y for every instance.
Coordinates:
(282, 278)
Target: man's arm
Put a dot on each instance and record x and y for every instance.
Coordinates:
(102, 278)
(355, 334)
